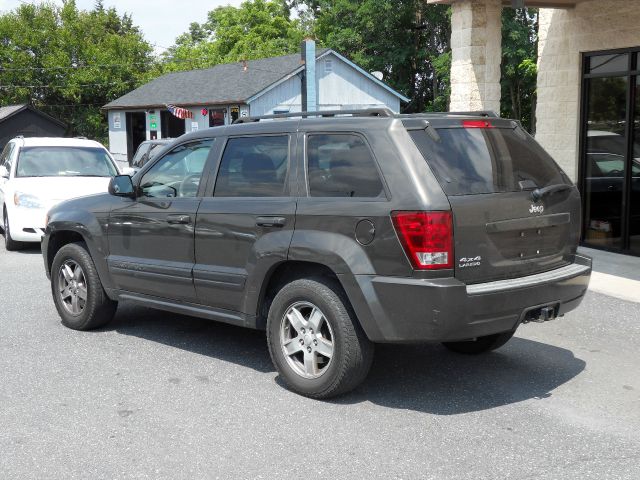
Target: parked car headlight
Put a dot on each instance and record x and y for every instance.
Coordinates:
(27, 200)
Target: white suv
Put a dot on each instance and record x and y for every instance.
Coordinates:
(37, 173)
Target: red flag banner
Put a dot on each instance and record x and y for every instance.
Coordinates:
(180, 112)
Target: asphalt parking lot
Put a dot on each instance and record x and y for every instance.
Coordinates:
(156, 395)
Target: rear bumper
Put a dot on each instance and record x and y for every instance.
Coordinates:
(402, 310)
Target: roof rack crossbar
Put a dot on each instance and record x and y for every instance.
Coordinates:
(369, 112)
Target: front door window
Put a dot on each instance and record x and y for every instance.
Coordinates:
(178, 173)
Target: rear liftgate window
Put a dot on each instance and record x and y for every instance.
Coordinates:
(477, 158)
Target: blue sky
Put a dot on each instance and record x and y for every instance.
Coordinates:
(160, 20)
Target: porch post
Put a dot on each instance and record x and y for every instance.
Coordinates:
(476, 45)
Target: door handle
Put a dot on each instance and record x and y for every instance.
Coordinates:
(271, 221)
(178, 219)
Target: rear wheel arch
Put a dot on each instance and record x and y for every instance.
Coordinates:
(286, 272)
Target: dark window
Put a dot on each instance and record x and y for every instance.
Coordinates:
(341, 165)
(178, 173)
(609, 63)
(254, 167)
(217, 116)
(486, 160)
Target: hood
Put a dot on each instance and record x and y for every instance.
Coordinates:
(53, 190)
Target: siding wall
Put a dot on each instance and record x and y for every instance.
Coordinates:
(286, 96)
(118, 136)
(564, 34)
(342, 88)
(345, 86)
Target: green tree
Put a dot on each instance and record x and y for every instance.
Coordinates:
(69, 62)
(406, 40)
(519, 68)
(256, 29)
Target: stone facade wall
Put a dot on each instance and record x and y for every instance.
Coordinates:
(564, 34)
(476, 55)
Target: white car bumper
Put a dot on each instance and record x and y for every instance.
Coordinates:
(27, 224)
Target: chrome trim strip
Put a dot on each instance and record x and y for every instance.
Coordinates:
(556, 275)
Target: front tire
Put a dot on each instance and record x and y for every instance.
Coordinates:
(77, 291)
(9, 243)
(480, 344)
(315, 341)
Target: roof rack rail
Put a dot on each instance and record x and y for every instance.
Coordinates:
(478, 113)
(369, 112)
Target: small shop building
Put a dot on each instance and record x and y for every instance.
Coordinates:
(28, 121)
(181, 102)
(588, 98)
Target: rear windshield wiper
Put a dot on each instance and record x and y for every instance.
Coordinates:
(539, 193)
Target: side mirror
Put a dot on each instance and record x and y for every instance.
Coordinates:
(4, 173)
(122, 186)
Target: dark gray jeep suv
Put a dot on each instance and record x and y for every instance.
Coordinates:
(333, 231)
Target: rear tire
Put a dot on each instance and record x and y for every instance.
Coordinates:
(315, 341)
(77, 291)
(9, 243)
(480, 344)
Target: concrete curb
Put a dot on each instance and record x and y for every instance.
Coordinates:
(614, 274)
(614, 286)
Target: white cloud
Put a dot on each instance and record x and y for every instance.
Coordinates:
(160, 20)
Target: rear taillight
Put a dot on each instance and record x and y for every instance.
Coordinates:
(427, 238)
(476, 124)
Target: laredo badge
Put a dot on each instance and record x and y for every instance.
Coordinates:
(465, 262)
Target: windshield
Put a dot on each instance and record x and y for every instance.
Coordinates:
(64, 162)
(487, 160)
(137, 158)
(155, 149)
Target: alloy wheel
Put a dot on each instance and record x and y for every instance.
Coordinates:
(72, 287)
(306, 339)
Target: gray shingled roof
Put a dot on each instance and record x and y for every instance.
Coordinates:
(226, 83)
(9, 110)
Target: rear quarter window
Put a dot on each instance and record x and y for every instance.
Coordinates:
(341, 165)
(486, 160)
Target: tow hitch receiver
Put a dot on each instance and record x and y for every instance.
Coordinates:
(540, 314)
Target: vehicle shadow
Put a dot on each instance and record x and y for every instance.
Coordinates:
(425, 378)
(242, 346)
(29, 249)
(431, 379)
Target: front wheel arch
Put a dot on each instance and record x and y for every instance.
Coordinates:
(59, 239)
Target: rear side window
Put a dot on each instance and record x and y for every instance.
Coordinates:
(486, 160)
(341, 165)
(254, 167)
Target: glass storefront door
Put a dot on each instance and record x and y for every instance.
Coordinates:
(610, 163)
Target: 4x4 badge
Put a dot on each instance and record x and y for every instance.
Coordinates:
(536, 208)
(465, 262)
